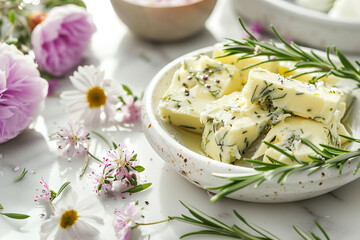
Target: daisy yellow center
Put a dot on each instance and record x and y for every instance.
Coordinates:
(96, 97)
(68, 218)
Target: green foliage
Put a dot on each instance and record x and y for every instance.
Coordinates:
(53, 3)
(13, 14)
(251, 231)
(138, 188)
(11, 17)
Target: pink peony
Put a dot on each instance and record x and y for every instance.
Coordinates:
(22, 91)
(61, 39)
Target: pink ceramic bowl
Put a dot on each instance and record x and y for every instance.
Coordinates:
(164, 22)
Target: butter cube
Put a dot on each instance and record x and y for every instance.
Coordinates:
(199, 81)
(287, 135)
(231, 126)
(299, 98)
(240, 64)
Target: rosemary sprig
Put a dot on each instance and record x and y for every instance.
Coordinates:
(252, 47)
(214, 226)
(327, 157)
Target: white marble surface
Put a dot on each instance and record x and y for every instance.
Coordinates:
(134, 62)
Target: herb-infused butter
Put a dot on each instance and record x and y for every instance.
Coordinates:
(299, 98)
(287, 135)
(231, 126)
(199, 81)
(240, 64)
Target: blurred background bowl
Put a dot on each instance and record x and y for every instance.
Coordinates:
(305, 26)
(164, 22)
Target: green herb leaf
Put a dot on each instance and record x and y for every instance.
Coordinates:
(218, 228)
(1, 206)
(114, 145)
(21, 175)
(62, 188)
(11, 17)
(251, 231)
(139, 188)
(15, 215)
(121, 100)
(127, 90)
(139, 168)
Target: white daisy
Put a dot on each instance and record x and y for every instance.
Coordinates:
(74, 220)
(94, 98)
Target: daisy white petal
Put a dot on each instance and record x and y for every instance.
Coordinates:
(72, 222)
(94, 92)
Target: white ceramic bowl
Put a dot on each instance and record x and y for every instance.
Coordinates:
(185, 156)
(164, 22)
(305, 26)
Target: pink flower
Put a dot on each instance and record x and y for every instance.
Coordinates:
(45, 193)
(61, 39)
(72, 140)
(103, 181)
(124, 161)
(131, 109)
(118, 173)
(44, 198)
(22, 91)
(125, 219)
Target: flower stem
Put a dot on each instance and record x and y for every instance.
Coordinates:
(52, 207)
(153, 223)
(94, 157)
(86, 163)
(102, 138)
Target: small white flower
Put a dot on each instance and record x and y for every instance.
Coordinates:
(94, 98)
(74, 220)
(72, 140)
